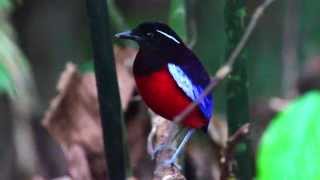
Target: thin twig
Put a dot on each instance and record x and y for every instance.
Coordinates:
(227, 68)
(238, 135)
(226, 158)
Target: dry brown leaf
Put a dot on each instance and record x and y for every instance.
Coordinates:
(73, 117)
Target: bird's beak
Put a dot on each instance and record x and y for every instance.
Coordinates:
(124, 35)
(127, 35)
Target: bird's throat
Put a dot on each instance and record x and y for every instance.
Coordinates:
(146, 63)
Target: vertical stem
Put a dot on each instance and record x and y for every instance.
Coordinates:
(290, 47)
(108, 91)
(237, 86)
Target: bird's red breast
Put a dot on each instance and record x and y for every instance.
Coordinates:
(161, 93)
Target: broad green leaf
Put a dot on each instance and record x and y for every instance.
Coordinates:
(290, 147)
(177, 18)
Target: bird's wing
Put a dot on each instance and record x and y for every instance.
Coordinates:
(192, 89)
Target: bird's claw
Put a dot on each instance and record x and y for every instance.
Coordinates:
(171, 163)
(161, 148)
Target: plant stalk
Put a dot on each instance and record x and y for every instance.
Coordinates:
(237, 86)
(114, 135)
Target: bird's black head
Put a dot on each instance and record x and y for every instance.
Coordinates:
(153, 36)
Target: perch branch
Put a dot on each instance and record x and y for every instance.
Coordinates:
(227, 67)
(163, 131)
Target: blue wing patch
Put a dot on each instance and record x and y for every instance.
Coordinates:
(193, 91)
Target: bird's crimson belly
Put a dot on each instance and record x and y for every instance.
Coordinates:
(161, 93)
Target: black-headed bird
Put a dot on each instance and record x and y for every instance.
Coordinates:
(169, 77)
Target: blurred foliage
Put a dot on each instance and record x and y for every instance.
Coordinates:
(264, 54)
(14, 69)
(310, 28)
(6, 85)
(5, 4)
(116, 17)
(177, 18)
(290, 147)
(87, 66)
(13, 65)
(16, 81)
(137, 11)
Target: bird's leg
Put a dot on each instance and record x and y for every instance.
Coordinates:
(167, 145)
(172, 160)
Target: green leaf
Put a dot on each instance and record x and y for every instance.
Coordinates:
(177, 18)
(4, 4)
(6, 85)
(290, 147)
(12, 64)
(87, 66)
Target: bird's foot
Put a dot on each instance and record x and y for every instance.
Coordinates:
(161, 148)
(172, 162)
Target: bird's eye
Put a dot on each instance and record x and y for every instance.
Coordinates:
(150, 35)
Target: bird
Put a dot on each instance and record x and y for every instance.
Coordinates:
(169, 77)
